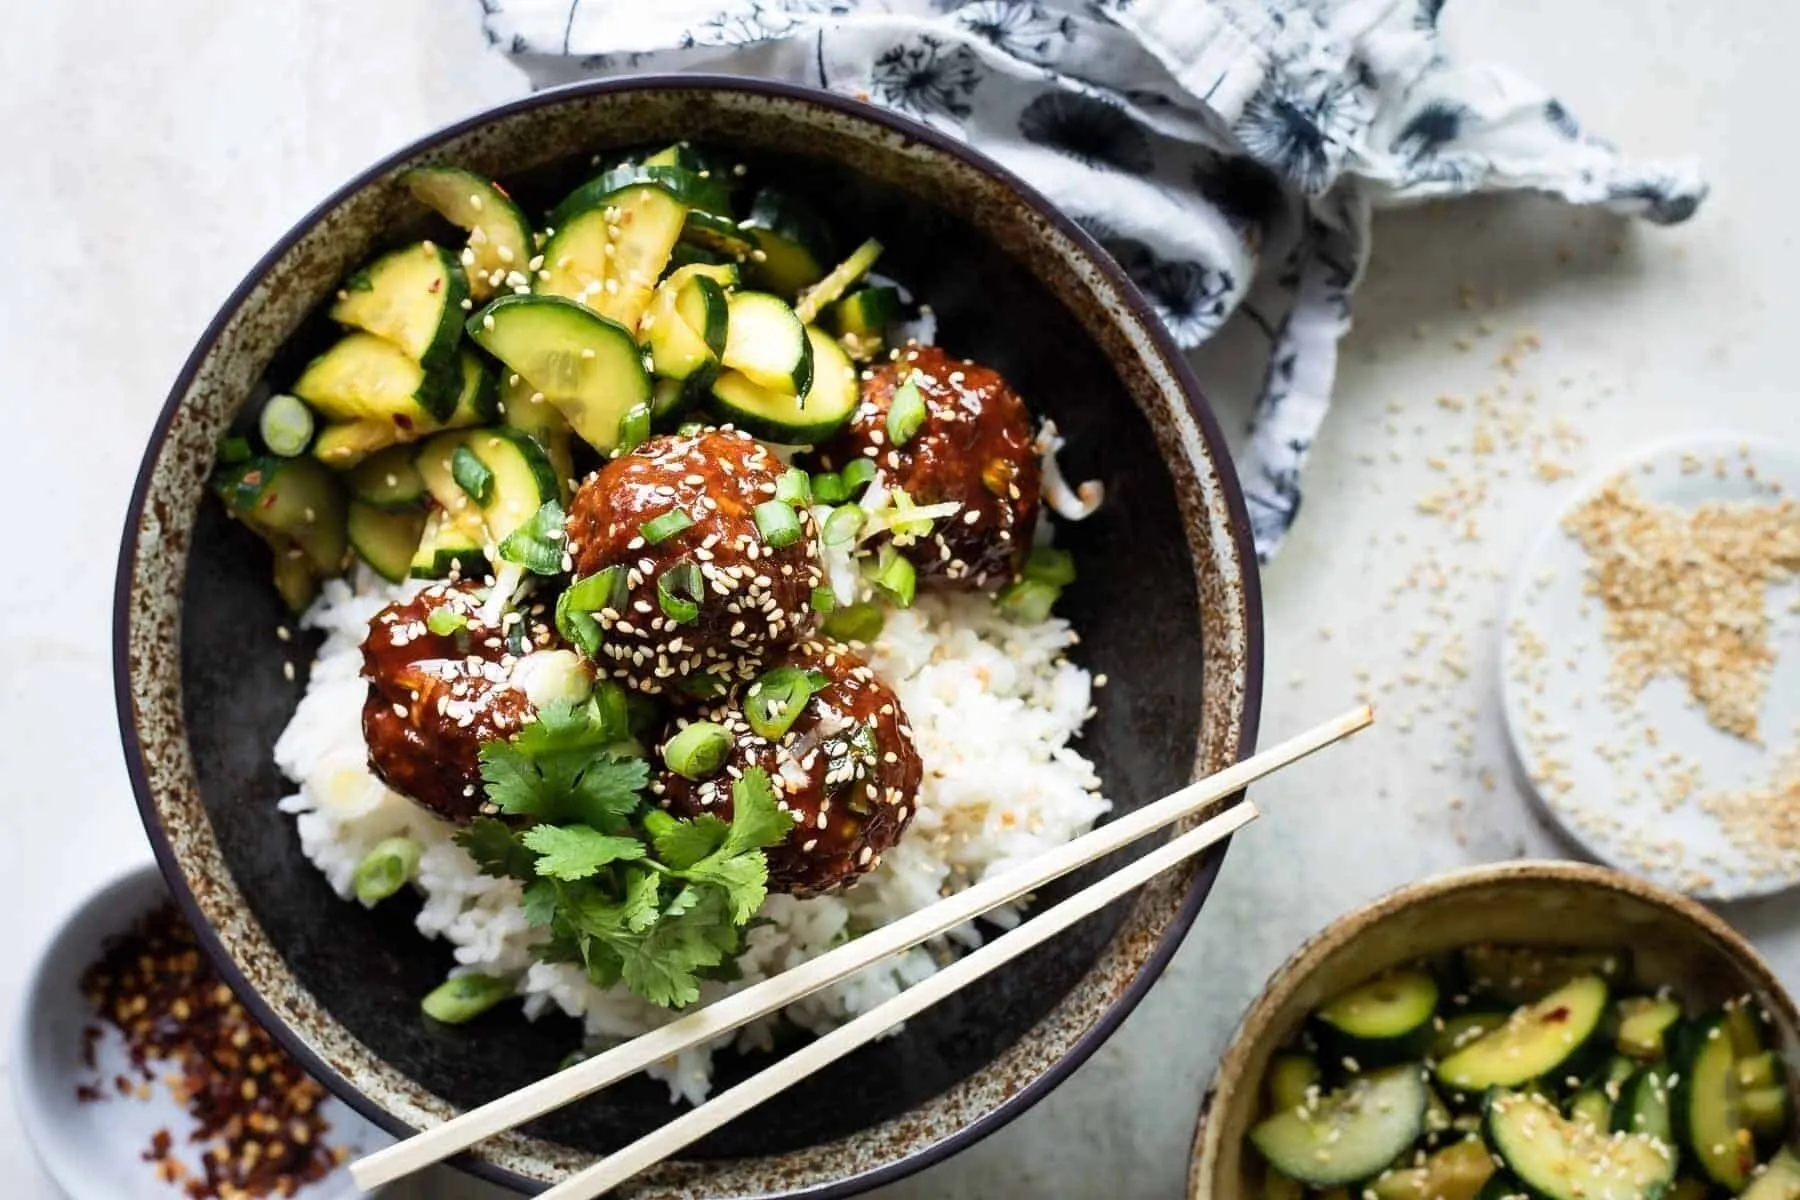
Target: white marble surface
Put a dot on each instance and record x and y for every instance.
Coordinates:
(152, 151)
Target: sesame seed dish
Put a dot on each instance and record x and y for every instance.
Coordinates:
(1651, 685)
(1503, 1071)
(685, 611)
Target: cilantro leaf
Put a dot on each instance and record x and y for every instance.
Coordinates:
(745, 880)
(514, 784)
(540, 904)
(681, 844)
(662, 966)
(497, 850)
(574, 852)
(757, 821)
(607, 793)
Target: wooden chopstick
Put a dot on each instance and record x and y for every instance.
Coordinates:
(739, 1009)
(653, 1147)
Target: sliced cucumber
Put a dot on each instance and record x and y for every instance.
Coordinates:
(866, 311)
(688, 187)
(1382, 1022)
(575, 259)
(387, 541)
(1351, 1133)
(522, 479)
(1590, 1105)
(767, 343)
(295, 580)
(685, 326)
(791, 244)
(1644, 1107)
(1707, 1119)
(717, 235)
(1457, 1172)
(291, 502)
(1291, 1078)
(1501, 1186)
(587, 366)
(365, 377)
(448, 550)
(388, 481)
(349, 442)
(412, 297)
(525, 409)
(1521, 974)
(1558, 1159)
(1763, 1096)
(670, 399)
(1460, 1030)
(1746, 1026)
(499, 235)
(840, 280)
(1547, 1039)
(1643, 1022)
(1779, 1180)
(1691, 1189)
(609, 256)
(780, 417)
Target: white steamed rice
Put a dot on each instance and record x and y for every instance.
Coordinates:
(993, 705)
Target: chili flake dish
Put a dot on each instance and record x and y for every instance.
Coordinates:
(683, 617)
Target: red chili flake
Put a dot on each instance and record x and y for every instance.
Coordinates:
(1556, 1016)
(437, 285)
(257, 1122)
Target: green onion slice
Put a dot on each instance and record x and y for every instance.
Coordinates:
(537, 545)
(234, 449)
(906, 412)
(699, 750)
(1047, 564)
(777, 523)
(446, 621)
(827, 488)
(823, 600)
(604, 589)
(842, 526)
(857, 474)
(853, 623)
(462, 999)
(661, 528)
(473, 476)
(386, 869)
(794, 487)
(1028, 601)
(634, 428)
(773, 703)
(895, 576)
(286, 425)
(679, 591)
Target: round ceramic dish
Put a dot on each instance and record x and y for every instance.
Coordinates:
(1167, 606)
(94, 1150)
(1672, 939)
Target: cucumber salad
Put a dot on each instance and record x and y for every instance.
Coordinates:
(1505, 1071)
(645, 479)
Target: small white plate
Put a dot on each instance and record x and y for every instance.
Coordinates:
(95, 1150)
(1590, 764)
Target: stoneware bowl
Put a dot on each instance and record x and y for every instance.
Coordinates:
(1672, 940)
(1167, 606)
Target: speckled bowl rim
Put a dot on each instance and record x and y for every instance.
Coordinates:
(1292, 974)
(1204, 873)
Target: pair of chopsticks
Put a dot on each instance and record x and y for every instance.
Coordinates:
(740, 1008)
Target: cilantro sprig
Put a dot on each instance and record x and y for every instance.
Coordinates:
(628, 891)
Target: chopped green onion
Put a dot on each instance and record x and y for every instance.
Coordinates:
(857, 474)
(698, 751)
(853, 623)
(235, 449)
(385, 869)
(823, 600)
(777, 523)
(679, 591)
(906, 412)
(1046, 564)
(842, 526)
(895, 576)
(794, 487)
(462, 999)
(537, 545)
(774, 702)
(704, 685)
(612, 714)
(446, 621)
(661, 528)
(690, 428)
(1028, 601)
(604, 589)
(828, 488)
(472, 475)
(634, 428)
(286, 425)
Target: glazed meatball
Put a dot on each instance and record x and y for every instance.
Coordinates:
(846, 769)
(434, 698)
(706, 593)
(975, 447)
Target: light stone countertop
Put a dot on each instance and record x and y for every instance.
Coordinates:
(153, 151)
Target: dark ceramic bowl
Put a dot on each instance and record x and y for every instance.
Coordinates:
(1167, 605)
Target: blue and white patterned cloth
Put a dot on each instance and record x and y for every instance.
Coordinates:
(1205, 143)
